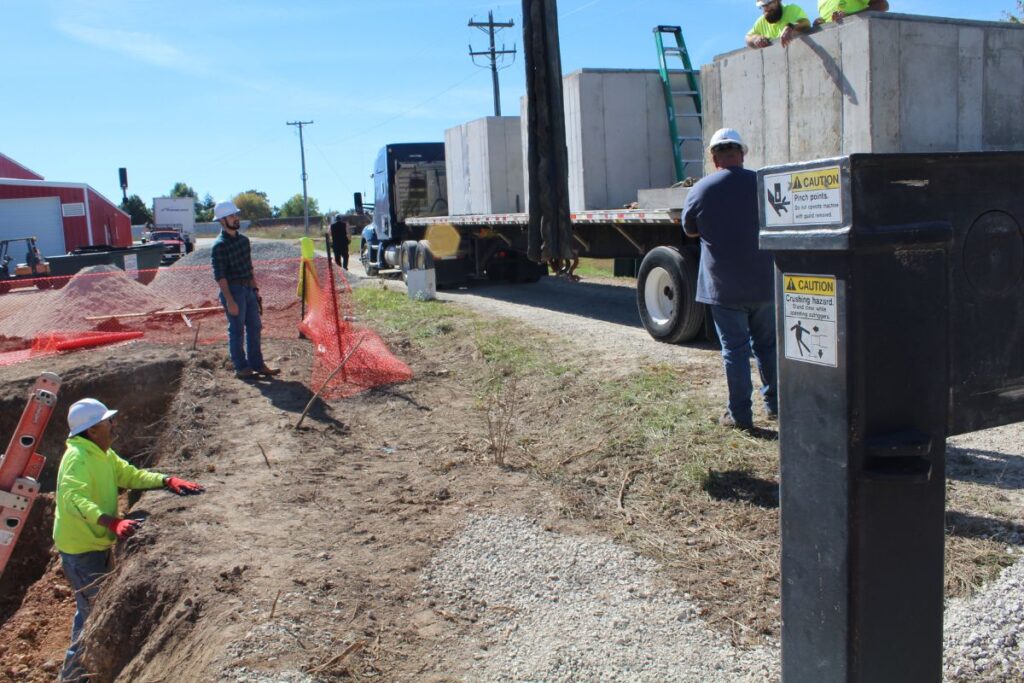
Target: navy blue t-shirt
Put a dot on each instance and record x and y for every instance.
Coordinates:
(733, 272)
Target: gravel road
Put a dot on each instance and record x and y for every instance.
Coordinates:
(583, 609)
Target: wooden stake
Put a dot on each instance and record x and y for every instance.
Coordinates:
(195, 337)
(622, 494)
(207, 309)
(328, 381)
(273, 607)
(265, 458)
(354, 647)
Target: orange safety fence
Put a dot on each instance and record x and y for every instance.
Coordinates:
(180, 304)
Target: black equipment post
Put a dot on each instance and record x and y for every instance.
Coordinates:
(900, 308)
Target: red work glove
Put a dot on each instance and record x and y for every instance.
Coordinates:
(122, 528)
(182, 487)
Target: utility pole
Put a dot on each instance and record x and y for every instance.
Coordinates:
(492, 53)
(302, 151)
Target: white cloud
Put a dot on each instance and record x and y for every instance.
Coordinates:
(143, 47)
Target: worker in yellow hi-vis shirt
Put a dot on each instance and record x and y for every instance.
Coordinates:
(835, 10)
(86, 521)
(777, 22)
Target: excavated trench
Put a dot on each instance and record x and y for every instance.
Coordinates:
(141, 388)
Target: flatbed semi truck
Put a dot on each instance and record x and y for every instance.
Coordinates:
(410, 204)
(666, 280)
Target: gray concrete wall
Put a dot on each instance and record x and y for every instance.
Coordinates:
(876, 83)
(484, 166)
(616, 136)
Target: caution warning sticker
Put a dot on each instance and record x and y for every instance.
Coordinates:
(813, 197)
(809, 308)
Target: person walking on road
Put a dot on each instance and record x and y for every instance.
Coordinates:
(339, 241)
(735, 279)
(86, 521)
(233, 271)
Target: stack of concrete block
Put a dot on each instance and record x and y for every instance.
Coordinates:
(878, 82)
(617, 136)
(484, 166)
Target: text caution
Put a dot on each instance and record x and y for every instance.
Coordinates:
(812, 197)
(809, 308)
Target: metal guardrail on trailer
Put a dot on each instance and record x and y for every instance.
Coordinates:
(603, 217)
(666, 281)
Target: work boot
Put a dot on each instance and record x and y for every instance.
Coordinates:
(727, 420)
(245, 373)
(268, 371)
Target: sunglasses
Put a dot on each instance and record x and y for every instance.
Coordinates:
(726, 147)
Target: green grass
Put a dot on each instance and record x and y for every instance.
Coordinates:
(394, 313)
(505, 347)
(662, 422)
(596, 267)
(296, 234)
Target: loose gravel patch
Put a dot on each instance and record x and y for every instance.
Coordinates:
(568, 608)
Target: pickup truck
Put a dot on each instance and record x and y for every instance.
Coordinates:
(176, 244)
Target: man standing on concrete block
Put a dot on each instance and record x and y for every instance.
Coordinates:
(736, 279)
(835, 10)
(777, 22)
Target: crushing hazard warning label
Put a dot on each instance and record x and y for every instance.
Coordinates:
(813, 197)
(809, 307)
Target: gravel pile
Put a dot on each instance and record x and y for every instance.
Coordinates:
(262, 250)
(189, 282)
(93, 291)
(984, 636)
(566, 608)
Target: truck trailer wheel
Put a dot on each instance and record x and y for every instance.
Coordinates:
(528, 271)
(665, 289)
(364, 257)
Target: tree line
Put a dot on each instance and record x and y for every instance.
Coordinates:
(252, 204)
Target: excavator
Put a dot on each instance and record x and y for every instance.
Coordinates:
(34, 272)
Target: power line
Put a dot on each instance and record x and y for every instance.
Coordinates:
(302, 151)
(493, 54)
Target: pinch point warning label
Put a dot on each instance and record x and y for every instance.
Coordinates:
(810, 197)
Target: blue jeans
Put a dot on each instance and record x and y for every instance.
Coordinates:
(247, 322)
(739, 330)
(85, 572)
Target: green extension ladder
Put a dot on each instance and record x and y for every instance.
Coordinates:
(685, 114)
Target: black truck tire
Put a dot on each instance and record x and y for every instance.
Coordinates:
(526, 270)
(665, 289)
(364, 258)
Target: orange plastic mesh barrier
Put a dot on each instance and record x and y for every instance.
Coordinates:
(180, 304)
(347, 358)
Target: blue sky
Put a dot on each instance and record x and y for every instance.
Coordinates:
(200, 92)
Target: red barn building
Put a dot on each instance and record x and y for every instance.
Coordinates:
(61, 216)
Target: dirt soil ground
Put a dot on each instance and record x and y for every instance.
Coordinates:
(304, 555)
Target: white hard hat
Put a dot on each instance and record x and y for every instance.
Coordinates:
(726, 136)
(87, 413)
(224, 209)
(762, 3)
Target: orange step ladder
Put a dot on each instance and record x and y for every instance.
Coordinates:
(20, 465)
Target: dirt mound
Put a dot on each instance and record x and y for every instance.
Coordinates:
(33, 641)
(95, 291)
(189, 283)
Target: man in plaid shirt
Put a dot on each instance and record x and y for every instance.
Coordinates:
(232, 269)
